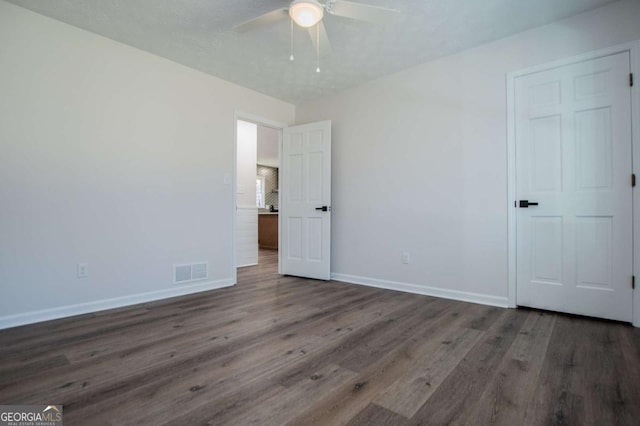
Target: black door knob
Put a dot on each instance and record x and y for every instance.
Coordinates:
(526, 203)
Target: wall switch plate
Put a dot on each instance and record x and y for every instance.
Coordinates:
(227, 179)
(83, 270)
(406, 257)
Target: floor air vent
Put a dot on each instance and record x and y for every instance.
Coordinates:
(190, 272)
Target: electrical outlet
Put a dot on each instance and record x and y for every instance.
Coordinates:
(83, 270)
(406, 258)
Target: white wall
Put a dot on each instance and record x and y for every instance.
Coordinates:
(247, 223)
(420, 163)
(268, 152)
(247, 160)
(111, 156)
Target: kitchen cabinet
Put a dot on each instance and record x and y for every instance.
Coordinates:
(268, 231)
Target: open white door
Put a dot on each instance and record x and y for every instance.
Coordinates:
(573, 179)
(305, 201)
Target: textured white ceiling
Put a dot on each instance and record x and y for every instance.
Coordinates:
(198, 33)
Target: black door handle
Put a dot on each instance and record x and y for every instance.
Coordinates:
(323, 208)
(526, 203)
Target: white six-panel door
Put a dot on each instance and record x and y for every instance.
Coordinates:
(573, 157)
(305, 243)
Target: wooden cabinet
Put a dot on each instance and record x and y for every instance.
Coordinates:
(268, 231)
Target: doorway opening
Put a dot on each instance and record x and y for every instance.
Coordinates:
(257, 201)
(303, 196)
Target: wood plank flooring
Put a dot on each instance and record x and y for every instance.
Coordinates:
(277, 350)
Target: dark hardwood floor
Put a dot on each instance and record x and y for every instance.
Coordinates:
(279, 350)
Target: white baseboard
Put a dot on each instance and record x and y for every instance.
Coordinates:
(117, 302)
(464, 296)
(247, 264)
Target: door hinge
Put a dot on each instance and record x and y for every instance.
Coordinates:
(633, 282)
(633, 179)
(631, 79)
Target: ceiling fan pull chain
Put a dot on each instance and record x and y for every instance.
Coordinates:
(291, 58)
(318, 47)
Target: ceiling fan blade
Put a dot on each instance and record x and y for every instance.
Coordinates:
(262, 20)
(325, 45)
(363, 12)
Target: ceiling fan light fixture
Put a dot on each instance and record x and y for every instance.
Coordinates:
(306, 13)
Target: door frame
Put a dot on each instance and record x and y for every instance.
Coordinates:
(261, 121)
(633, 48)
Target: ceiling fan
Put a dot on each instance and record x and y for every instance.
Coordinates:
(309, 14)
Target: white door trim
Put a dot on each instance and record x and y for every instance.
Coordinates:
(634, 52)
(245, 116)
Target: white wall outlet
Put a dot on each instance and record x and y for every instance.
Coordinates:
(83, 270)
(226, 178)
(406, 257)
